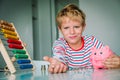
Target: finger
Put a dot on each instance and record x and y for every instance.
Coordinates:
(46, 58)
(65, 68)
(51, 68)
(111, 64)
(108, 60)
(61, 68)
(56, 68)
(113, 60)
(113, 56)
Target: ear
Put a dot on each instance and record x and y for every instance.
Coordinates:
(83, 25)
(59, 28)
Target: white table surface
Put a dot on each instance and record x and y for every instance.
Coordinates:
(79, 74)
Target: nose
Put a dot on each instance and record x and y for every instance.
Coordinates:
(72, 31)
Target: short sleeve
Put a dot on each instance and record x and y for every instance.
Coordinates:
(59, 50)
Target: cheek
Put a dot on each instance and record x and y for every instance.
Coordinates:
(80, 30)
(64, 32)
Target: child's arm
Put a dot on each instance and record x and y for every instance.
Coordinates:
(55, 65)
(112, 62)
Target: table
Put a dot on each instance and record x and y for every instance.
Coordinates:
(77, 74)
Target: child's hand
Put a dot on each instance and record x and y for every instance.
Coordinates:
(55, 65)
(112, 62)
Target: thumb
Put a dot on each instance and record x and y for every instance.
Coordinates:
(46, 58)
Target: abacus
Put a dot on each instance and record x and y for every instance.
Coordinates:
(12, 49)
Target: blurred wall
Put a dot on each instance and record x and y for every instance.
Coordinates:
(103, 21)
(19, 12)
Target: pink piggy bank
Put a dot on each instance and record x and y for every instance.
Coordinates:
(98, 56)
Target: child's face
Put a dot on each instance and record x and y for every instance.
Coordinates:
(72, 31)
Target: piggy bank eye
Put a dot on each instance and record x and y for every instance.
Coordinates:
(101, 53)
(94, 53)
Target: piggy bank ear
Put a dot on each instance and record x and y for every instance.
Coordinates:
(93, 49)
(106, 48)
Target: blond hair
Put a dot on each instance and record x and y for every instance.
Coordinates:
(71, 11)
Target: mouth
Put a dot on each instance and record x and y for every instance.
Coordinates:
(72, 37)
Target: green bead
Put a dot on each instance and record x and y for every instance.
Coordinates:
(17, 51)
(21, 56)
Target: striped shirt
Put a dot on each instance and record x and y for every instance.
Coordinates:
(75, 58)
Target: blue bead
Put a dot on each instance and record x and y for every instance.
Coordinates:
(26, 66)
(23, 61)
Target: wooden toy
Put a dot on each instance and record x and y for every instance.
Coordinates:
(12, 49)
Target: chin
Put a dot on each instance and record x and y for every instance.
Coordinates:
(72, 42)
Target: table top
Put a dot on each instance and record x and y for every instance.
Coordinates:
(78, 74)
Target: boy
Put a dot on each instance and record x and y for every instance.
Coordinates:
(73, 50)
